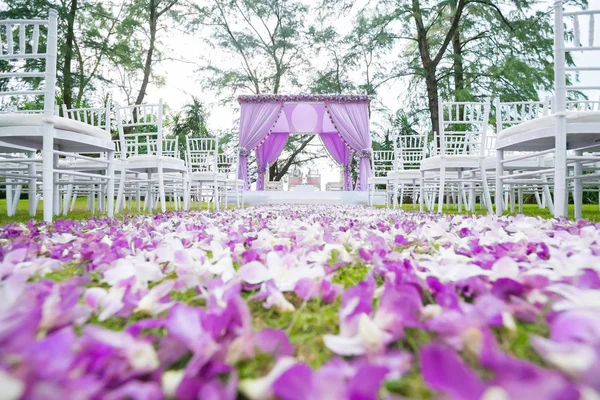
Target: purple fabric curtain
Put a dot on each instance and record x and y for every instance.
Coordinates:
(255, 122)
(340, 153)
(352, 122)
(267, 153)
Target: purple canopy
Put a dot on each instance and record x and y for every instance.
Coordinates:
(346, 116)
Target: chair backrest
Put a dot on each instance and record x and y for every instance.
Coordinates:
(583, 105)
(98, 117)
(517, 112)
(577, 42)
(201, 154)
(21, 44)
(314, 180)
(148, 120)
(463, 127)
(409, 151)
(227, 164)
(382, 162)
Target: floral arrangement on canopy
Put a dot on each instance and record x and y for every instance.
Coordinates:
(342, 121)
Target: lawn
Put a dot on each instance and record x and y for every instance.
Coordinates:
(300, 302)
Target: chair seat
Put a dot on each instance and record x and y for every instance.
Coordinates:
(207, 176)
(526, 164)
(65, 124)
(404, 174)
(464, 161)
(378, 180)
(144, 162)
(540, 132)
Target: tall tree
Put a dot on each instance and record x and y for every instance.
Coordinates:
(263, 40)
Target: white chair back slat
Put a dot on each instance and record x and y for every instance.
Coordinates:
(382, 162)
(410, 151)
(151, 141)
(514, 113)
(463, 127)
(35, 39)
(227, 164)
(9, 38)
(22, 48)
(20, 40)
(98, 117)
(591, 30)
(201, 154)
(576, 32)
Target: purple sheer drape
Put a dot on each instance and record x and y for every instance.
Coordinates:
(267, 153)
(352, 122)
(340, 153)
(255, 122)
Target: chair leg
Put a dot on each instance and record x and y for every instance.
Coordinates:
(47, 171)
(460, 191)
(578, 187)
(442, 187)
(16, 198)
(161, 188)
(110, 184)
(520, 199)
(422, 192)
(32, 185)
(499, 184)
(56, 193)
(9, 196)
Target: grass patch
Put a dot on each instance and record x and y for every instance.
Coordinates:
(350, 275)
(590, 212)
(305, 327)
(65, 273)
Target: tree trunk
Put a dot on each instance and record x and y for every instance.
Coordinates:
(432, 99)
(290, 161)
(67, 76)
(149, 54)
(273, 172)
(459, 73)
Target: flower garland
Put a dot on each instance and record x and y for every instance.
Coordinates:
(332, 98)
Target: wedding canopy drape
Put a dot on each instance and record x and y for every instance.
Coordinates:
(267, 153)
(255, 121)
(340, 153)
(344, 119)
(352, 123)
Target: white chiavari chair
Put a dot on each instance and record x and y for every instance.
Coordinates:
(463, 134)
(35, 42)
(146, 150)
(382, 162)
(572, 133)
(405, 179)
(227, 165)
(206, 183)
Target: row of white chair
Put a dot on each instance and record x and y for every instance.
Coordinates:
(76, 152)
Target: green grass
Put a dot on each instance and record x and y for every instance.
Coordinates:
(79, 212)
(589, 211)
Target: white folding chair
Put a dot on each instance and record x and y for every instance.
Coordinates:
(148, 152)
(227, 165)
(569, 128)
(96, 163)
(463, 134)
(405, 179)
(56, 137)
(382, 162)
(206, 182)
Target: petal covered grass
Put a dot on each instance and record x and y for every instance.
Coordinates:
(299, 302)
